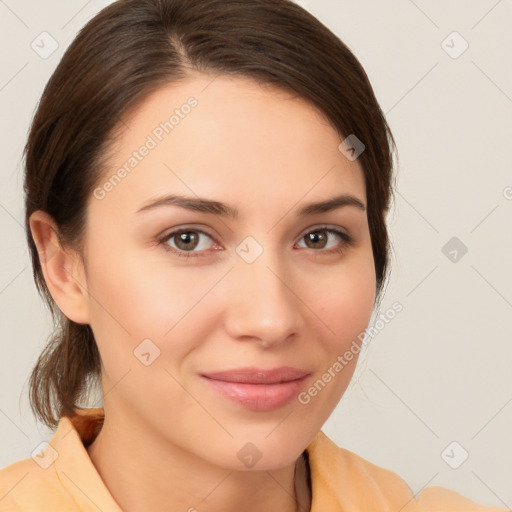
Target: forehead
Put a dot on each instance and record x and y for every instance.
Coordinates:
(228, 137)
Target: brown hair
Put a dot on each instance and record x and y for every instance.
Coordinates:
(127, 51)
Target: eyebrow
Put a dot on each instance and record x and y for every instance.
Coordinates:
(200, 204)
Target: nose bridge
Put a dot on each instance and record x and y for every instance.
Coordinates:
(264, 304)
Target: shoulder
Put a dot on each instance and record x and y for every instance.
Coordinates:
(26, 486)
(10, 478)
(61, 476)
(436, 499)
(350, 481)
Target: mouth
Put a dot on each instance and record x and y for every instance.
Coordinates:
(258, 389)
(251, 375)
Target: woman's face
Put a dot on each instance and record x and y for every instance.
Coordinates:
(267, 288)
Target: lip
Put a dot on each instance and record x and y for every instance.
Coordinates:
(258, 389)
(252, 375)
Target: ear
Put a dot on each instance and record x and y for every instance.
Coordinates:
(62, 269)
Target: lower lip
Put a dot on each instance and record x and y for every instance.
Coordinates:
(258, 397)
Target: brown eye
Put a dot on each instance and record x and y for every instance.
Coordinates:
(186, 241)
(319, 238)
(190, 242)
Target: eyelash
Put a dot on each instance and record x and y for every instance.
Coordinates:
(347, 240)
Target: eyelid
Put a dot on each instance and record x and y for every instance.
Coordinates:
(180, 229)
(347, 239)
(168, 235)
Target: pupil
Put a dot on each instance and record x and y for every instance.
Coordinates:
(316, 237)
(186, 238)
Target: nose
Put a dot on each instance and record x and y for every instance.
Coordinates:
(264, 304)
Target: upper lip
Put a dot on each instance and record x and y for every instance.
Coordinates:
(252, 375)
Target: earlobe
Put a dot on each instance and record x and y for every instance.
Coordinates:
(62, 269)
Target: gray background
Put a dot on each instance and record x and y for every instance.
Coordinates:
(439, 372)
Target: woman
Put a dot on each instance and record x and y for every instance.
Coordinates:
(206, 189)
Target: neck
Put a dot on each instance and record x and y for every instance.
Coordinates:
(155, 474)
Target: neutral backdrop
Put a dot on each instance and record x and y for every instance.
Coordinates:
(432, 395)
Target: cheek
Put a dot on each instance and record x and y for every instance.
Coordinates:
(133, 299)
(346, 300)
(345, 307)
(135, 294)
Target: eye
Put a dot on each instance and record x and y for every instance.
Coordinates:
(186, 240)
(318, 239)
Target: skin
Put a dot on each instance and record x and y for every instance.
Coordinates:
(267, 153)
